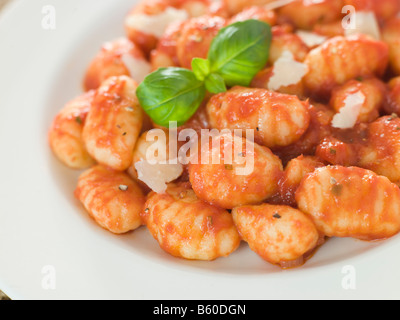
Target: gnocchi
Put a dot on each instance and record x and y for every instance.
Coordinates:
(279, 234)
(111, 198)
(189, 228)
(116, 58)
(246, 173)
(309, 150)
(391, 35)
(114, 123)
(312, 12)
(326, 196)
(341, 59)
(278, 120)
(65, 134)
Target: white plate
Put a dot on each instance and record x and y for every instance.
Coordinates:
(45, 233)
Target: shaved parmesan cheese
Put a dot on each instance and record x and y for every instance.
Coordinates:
(277, 4)
(156, 176)
(156, 24)
(311, 2)
(138, 68)
(365, 23)
(348, 115)
(287, 71)
(311, 39)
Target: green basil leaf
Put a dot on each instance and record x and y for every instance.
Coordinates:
(240, 51)
(201, 68)
(171, 94)
(215, 83)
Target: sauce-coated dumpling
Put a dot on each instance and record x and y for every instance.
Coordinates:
(250, 178)
(187, 227)
(277, 119)
(148, 20)
(392, 104)
(279, 234)
(196, 37)
(309, 150)
(374, 91)
(111, 198)
(351, 202)
(383, 9)
(343, 58)
(381, 151)
(294, 173)
(304, 14)
(391, 35)
(120, 57)
(65, 133)
(114, 123)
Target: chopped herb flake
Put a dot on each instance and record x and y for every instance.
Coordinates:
(337, 189)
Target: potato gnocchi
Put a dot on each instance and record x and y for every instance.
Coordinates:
(313, 141)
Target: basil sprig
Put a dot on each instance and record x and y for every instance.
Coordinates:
(236, 55)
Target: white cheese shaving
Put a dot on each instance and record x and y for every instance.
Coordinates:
(287, 71)
(156, 24)
(277, 4)
(156, 176)
(138, 68)
(311, 2)
(348, 115)
(311, 39)
(365, 23)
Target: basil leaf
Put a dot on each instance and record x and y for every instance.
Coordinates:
(215, 83)
(171, 94)
(240, 51)
(201, 68)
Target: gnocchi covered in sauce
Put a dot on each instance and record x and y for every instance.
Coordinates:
(283, 126)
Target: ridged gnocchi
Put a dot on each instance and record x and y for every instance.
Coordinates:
(381, 150)
(373, 90)
(114, 123)
(294, 173)
(279, 234)
(255, 12)
(384, 9)
(120, 57)
(111, 198)
(309, 150)
(392, 102)
(370, 213)
(147, 22)
(278, 120)
(236, 6)
(196, 37)
(65, 133)
(391, 35)
(312, 12)
(246, 173)
(284, 39)
(344, 58)
(189, 228)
